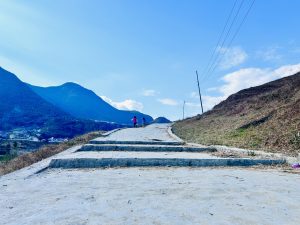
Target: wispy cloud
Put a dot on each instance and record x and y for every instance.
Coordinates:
(270, 54)
(251, 77)
(242, 79)
(127, 104)
(150, 92)
(232, 57)
(212, 89)
(168, 101)
(295, 50)
(208, 102)
(194, 94)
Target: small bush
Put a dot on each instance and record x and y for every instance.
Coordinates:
(7, 157)
(295, 140)
(240, 132)
(251, 153)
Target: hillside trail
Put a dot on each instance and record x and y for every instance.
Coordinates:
(154, 145)
(154, 132)
(146, 176)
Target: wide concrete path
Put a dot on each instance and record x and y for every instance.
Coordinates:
(152, 133)
(151, 196)
(151, 146)
(40, 194)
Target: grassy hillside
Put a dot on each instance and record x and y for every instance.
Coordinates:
(264, 117)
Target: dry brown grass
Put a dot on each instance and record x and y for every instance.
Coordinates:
(44, 152)
(265, 118)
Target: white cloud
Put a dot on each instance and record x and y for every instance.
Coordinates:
(208, 102)
(149, 92)
(194, 94)
(212, 89)
(251, 77)
(287, 70)
(168, 101)
(241, 79)
(192, 104)
(232, 57)
(270, 54)
(127, 104)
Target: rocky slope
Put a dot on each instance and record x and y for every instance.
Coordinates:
(264, 117)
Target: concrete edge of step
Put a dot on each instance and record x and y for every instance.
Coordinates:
(148, 148)
(112, 142)
(159, 162)
(289, 159)
(200, 145)
(106, 134)
(110, 132)
(170, 132)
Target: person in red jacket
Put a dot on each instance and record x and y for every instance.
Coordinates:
(134, 120)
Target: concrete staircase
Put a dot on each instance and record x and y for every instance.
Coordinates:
(145, 148)
(120, 151)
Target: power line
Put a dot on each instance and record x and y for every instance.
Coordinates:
(220, 38)
(216, 60)
(224, 40)
(234, 36)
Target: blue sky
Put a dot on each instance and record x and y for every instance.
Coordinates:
(143, 54)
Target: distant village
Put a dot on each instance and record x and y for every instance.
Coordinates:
(28, 135)
(23, 140)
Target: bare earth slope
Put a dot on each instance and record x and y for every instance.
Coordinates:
(264, 117)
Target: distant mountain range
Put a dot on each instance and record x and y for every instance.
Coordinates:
(161, 120)
(83, 103)
(62, 111)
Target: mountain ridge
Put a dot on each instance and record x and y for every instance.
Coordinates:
(60, 111)
(17, 99)
(20, 107)
(83, 103)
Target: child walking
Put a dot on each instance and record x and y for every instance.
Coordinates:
(134, 120)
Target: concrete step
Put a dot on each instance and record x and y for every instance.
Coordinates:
(150, 148)
(74, 163)
(151, 142)
(150, 159)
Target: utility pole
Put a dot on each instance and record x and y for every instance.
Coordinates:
(199, 91)
(183, 109)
